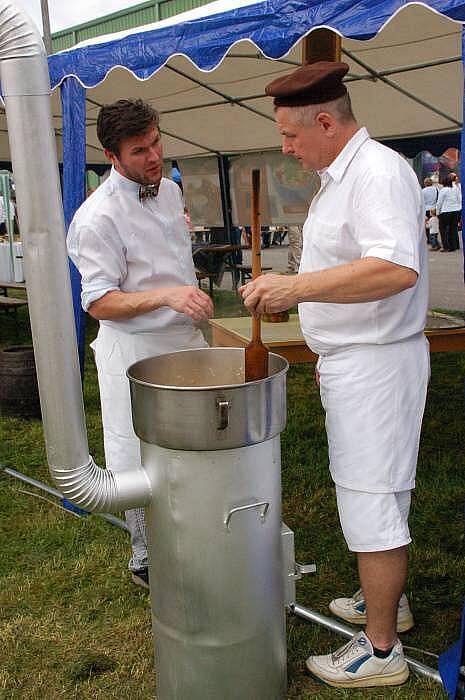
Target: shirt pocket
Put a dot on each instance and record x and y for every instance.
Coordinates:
(334, 242)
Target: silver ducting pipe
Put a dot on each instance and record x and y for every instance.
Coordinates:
(26, 90)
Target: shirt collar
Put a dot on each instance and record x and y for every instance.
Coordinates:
(124, 183)
(340, 164)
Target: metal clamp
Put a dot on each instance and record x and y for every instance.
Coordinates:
(264, 505)
(222, 407)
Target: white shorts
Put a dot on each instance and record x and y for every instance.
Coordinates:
(373, 522)
(374, 397)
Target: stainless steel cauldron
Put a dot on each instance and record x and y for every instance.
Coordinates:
(197, 400)
(210, 445)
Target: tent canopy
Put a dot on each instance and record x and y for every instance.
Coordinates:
(205, 70)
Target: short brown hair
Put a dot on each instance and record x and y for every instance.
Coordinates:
(122, 119)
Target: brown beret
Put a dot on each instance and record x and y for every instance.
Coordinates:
(311, 84)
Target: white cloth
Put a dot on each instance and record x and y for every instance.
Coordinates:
(369, 205)
(430, 197)
(450, 199)
(374, 398)
(374, 522)
(117, 242)
(115, 351)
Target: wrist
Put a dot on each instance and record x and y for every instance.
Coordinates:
(159, 298)
(298, 290)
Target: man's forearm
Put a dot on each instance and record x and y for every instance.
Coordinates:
(369, 279)
(117, 305)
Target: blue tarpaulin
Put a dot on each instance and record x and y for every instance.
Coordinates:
(450, 662)
(274, 26)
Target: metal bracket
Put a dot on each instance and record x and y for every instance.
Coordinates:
(302, 569)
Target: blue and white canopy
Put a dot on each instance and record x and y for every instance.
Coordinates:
(205, 70)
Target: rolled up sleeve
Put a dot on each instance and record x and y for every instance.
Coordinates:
(100, 258)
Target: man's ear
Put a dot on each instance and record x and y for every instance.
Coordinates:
(110, 156)
(327, 123)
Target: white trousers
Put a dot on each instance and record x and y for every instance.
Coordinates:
(115, 351)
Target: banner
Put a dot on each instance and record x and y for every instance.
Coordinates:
(286, 190)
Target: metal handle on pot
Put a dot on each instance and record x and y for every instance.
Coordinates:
(262, 504)
(222, 407)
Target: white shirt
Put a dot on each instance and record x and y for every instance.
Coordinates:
(450, 199)
(369, 205)
(118, 242)
(430, 197)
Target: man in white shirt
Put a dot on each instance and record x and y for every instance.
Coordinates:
(362, 291)
(130, 243)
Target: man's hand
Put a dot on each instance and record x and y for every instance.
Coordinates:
(270, 293)
(191, 301)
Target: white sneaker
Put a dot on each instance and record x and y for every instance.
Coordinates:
(354, 610)
(355, 666)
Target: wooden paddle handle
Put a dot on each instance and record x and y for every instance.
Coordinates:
(256, 244)
(256, 234)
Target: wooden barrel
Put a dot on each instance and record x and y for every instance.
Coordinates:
(19, 393)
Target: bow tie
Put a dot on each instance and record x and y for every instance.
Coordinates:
(147, 191)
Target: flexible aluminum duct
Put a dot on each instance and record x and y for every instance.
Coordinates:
(26, 90)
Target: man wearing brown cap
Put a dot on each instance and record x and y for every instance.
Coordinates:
(362, 291)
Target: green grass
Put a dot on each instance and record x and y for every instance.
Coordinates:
(73, 626)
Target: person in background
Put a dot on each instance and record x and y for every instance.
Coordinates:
(429, 194)
(432, 225)
(362, 291)
(130, 243)
(294, 251)
(449, 207)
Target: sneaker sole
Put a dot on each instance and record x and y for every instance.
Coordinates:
(369, 682)
(403, 625)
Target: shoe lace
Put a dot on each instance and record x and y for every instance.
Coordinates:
(346, 651)
(358, 596)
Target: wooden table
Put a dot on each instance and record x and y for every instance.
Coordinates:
(286, 338)
(5, 286)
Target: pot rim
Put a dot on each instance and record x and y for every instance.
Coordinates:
(210, 387)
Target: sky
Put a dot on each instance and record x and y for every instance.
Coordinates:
(64, 13)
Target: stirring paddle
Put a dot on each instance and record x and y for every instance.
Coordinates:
(256, 354)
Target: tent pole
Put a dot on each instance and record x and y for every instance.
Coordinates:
(74, 178)
(462, 161)
(223, 170)
(321, 45)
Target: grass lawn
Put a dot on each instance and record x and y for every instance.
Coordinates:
(73, 626)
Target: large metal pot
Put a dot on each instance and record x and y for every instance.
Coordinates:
(210, 446)
(198, 400)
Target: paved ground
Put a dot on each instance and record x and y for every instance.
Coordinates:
(447, 289)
